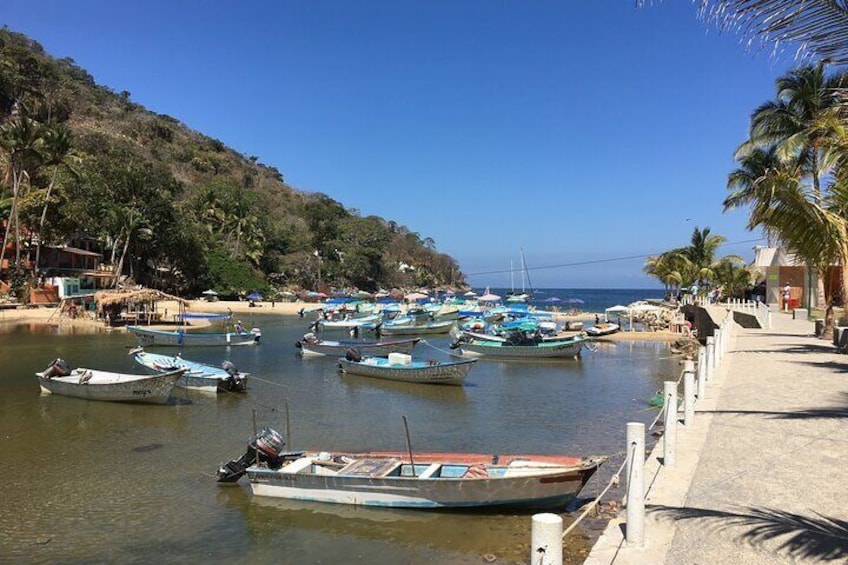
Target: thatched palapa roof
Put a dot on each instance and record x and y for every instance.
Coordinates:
(108, 297)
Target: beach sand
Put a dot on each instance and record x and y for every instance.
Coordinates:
(50, 315)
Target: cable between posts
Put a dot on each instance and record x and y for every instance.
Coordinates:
(614, 480)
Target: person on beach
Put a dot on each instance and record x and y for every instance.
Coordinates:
(787, 292)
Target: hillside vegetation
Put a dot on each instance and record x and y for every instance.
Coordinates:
(170, 207)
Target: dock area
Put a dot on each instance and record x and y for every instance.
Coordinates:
(759, 476)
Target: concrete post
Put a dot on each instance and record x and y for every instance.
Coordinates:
(546, 540)
(717, 348)
(670, 433)
(635, 529)
(710, 357)
(688, 393)
(702, 372)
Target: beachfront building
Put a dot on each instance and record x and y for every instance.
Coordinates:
(777, 268)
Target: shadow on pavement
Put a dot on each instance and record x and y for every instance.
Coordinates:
(808, 537)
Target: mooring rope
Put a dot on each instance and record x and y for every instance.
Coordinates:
(614, 480)
(451, 353)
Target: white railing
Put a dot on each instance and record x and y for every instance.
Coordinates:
(754, 308)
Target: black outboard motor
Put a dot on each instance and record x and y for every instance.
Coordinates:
(266, 447)
(234, 382)
(58, 368)
(353, 354)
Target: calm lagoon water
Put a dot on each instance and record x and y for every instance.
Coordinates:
(94, 481)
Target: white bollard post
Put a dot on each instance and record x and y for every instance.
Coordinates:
(710, 357)
(702, 372)
(670, 433)
(688, 393)
(717, 348)
(546, 540)
(635, 529)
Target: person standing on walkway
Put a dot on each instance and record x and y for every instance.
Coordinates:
(787, 292)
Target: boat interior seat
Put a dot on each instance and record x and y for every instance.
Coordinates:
(372, 468)
(431, 471)
(297, 465)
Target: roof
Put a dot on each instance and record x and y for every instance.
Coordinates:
(774, 257)
(105, 297)
(75, 251)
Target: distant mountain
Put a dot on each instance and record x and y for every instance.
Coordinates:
(173, 208)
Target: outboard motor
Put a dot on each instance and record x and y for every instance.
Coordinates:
(234, 382)
(353, 354)
(257, 334)
(265, 448)
(58, 368)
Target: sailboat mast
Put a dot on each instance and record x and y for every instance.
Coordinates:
(526, 272)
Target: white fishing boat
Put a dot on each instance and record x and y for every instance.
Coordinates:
(198, 376)
(602, 328)
(310, 345)
(181, 338)
(400, 367)
(538, 347)
(410, 480)
(92, 384)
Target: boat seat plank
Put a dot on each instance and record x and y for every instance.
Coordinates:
(370, 467)
(430, 471)
(297, 465)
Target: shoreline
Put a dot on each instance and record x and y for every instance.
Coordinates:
(51, 316)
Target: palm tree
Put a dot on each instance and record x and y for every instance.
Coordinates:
(19, 138)
(701, 254)
(790, 171)
(56, 152)
(818, 27)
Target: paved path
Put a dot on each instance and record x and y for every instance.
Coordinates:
(762, 475)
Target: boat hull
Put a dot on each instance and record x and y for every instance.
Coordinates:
(204, 378)
(147, 337)
(338, 348)
(452, 373)
(543, 350)
(529, 487)
(112, 387)
(428, 329)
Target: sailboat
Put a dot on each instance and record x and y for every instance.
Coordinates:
(523, 297)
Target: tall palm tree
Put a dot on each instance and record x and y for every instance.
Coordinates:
(19, 138)
(56, 152)
(789, 172)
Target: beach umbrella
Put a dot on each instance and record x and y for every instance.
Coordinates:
(209, 292)
(489, 297)
(470, 293)
(412, 296)
(254, 296)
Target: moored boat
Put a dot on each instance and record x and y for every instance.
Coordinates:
(198, 376)
(92, 384)
(405, 480)
(602, 328)
(338, 348)
(442, 327)
(181, 338)
(400, 367)
(477, 345)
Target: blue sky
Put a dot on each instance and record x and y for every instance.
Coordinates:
(574, 131)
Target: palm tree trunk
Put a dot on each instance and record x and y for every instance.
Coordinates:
(12, 214)
(120, 266)
(44, 216)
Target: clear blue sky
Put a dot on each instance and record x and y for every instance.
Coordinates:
(576, 131)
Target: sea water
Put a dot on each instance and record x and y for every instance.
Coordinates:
(97, 481)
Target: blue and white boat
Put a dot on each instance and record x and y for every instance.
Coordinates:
(198, 376)
(182, 338)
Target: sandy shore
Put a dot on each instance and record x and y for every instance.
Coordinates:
(49, 315)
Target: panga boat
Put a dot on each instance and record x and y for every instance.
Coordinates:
(400, 367)
(401, 480)
(602, 328)
(477, 345)
(90, 384)
(180, 338)
(310, 345)
(441, 327)
(198, 376)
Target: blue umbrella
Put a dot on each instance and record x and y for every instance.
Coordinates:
(254, 296)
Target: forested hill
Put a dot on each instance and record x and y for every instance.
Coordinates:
(173, 208)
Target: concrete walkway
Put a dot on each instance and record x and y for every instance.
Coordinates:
(762, 475)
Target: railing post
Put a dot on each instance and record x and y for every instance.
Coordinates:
(546, 540)
(688, 393)
(702, 372)
(710, 357)
(635, 529)
(670, 433)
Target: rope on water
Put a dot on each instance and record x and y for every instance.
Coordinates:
(614, 480)
(425, 342)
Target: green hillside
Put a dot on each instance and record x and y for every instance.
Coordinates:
(173, 208)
